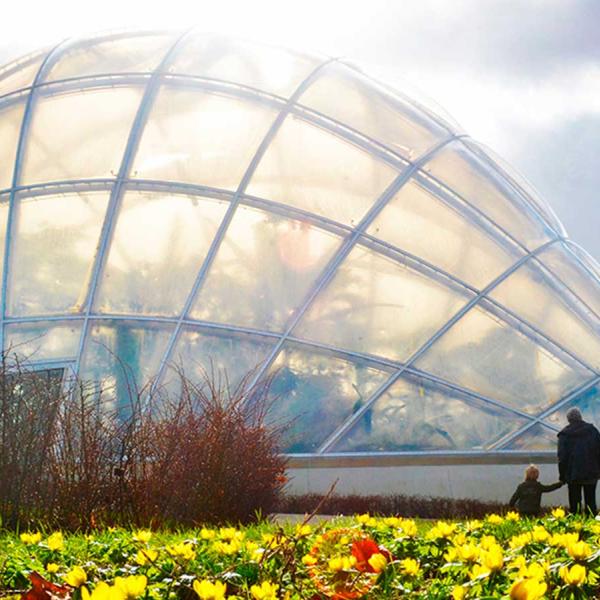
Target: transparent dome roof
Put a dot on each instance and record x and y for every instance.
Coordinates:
(192, 199)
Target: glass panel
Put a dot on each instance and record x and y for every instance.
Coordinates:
(485, 354)
(379, 306)
(315, 170)
(229, 355)
(199, 137)
(11, 117)
(20, 73)
(348, 97)
(519, 181)
(93, 143)
(533, 294)
(485, 189)
(420, 223)
(159, 244)
(120, 355)
(414, 415)
(588, 403)
(315, 393)
(267, 68)
(54, 244)
(263, 269)
(121, 54)
(43, 341)
(4, 204)
(586, 259)
(568, 269)
(535, 439)
(391, 79)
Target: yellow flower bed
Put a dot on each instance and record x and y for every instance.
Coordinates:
(501, 556)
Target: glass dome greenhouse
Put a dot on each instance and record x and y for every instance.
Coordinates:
(188, 198)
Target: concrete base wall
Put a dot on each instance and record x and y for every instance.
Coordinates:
(491, 482)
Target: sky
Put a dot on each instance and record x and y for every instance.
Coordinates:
(521, 76)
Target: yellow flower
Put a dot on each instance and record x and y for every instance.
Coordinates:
(227, 548)
(558, 513)
(528, 589)
(182, 550)
(145, 556)
(207, 590)
(539, 534)
(52, 568)
(519, 562)
(473, 525)
(458, 592)
(341, 563)
(271, 541)
(535, 571)
(131, 587)
(231, 533)
(493, 559)
(250, 547)
(31, 538)
(309, 560)
(479, 571)
(378, 562)
(488, 541)
(579, 550)
(512, 516)
(563, 539)
(451, 554)
(408, 527)
(76, 577)
(393, 522)
(55, 541)
(468, 553)
(207, 534)
(518, 541)
(574, 576)
(441, 530)
(595, 528)
(494, 519)
(102, 591)
(142, 535)
(410, 566)
(265, 591)
(303, 530)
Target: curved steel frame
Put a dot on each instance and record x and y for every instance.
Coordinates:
(349, 236)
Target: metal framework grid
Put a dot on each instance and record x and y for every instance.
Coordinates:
(352, 236)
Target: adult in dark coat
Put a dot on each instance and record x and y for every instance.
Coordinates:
(579, 460)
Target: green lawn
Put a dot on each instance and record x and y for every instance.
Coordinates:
(352, 557)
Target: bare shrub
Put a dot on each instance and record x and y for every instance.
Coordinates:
(90, 445)
(393, 504)
(29, 402)
(76, 457)
(209, 454)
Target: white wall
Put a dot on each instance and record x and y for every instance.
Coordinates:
(479, 481)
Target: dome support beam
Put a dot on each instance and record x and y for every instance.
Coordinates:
(347, 246)
(501, 444)
(73, 186)
(19, 157)
(235, 201)
(114, 202)
(348, 424)
(344, 354)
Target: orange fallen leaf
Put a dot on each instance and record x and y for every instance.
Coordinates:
(42, 589)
